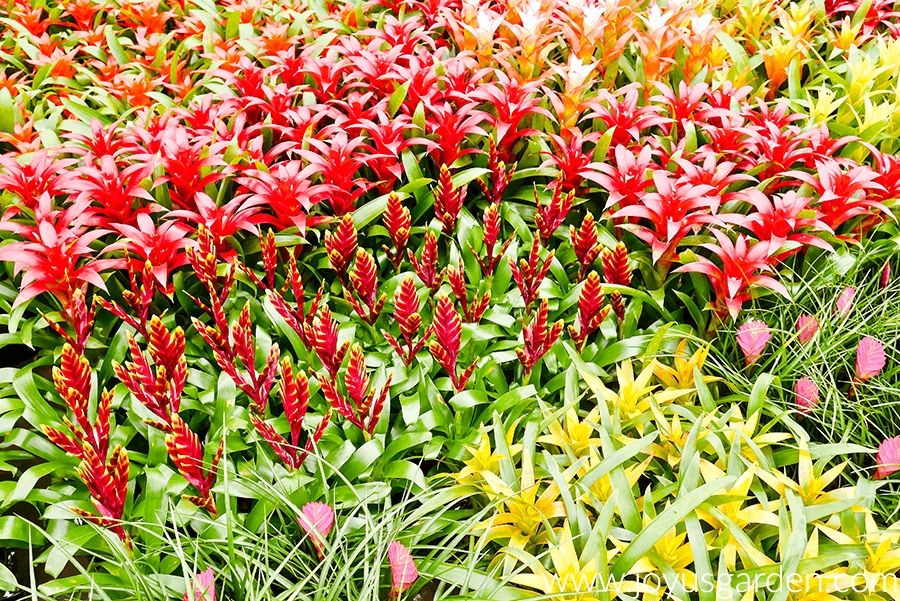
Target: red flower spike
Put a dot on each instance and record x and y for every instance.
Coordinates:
(537, 338)
(323, 338)
(406, 313)
(500, 175)
(364, 280)
(337, 400)
(584, 241)
(491, 231)
(448, 201)
(844, 302)
(529, 274)
(286, 453)
(591, 311)
(341, 246)
(355, 377)
(294, 394)
(187, 454)
(270, 261)
(167, 350)
(426, 267)
(448, 335)
(108, 485)
(397, 220)
(616, 268)
(150, 389)
(457, 280)
(550, 216)
(886, 275)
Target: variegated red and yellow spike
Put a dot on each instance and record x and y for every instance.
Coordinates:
(447, 329)
(322, 337)
(537, 338)
(591, 311)
(448, 201)
(406, 309)
(616, 268)
(269, 257)
(529, 274)
(294, 393)
(336, 399)
(584, 242)
(426, 267)
(186, 453)
(286, 453)
(397, 221)
(341, 246)
(374, 411)
(356, 379)
(550, 216)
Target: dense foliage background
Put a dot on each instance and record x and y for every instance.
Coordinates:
(358, 300)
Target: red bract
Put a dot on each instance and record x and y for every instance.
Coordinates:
(186, 159)
(584, 242)
(397, 221)
(448, 201)
(160, 392)
(627, 179)
(537, 338)
(341, 246)
(550, 216)
(448, 336)
(500, 175)
(673, 210)
(449, 126)
(621, 111)
(743, 265)
(457, 279)
(286, 191)
(406, 313)
(56, 256)
(187, 454)
(223, 221)
(161, 245)
(366, 408)
(294, 394)
(844, 194)
(529, 274)
(426, 267)
(490, 233)
(778, 223)
(119, 194)
(339, 165)
(42, 175)
(571, 158)
(617, 270)
(296, 316)
(364, 280)
(323, 338)
(513, 100)
(591, 311)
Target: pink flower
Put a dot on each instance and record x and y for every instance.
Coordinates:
(807, 395)
(204, 590)
(807, 325)
(317, 522)
(888, 459)
(844, 302)
(870, 358)
(886, 274)
(752, 337)
(403, 568)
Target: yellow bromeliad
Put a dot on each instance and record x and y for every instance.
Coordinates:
(681, 376)
(633, 398)
(573, 435)
(601, 490)
(810, 487)
(483, 461)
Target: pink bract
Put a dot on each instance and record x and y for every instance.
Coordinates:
(403, 568)
(807, 325)
(753, 337)
(807, 395)
(888, 458)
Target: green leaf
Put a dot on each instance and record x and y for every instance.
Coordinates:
(664, 522)
(397, 98)
(758, 394)
(7, 112)
(7, 579)
(115, 47)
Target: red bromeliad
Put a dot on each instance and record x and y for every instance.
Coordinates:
(537, 338)
(550, 216)
(490, 232)
(341, 246)
(591, 311)
(187, 454)
(426, 267)
(448, 201)
(322, 336)
(294, 394)
(529, 274)
(617, 271)
(397, 221)
(457, 279)
(364, 281)
(448, 338)
(366, 408)
(406, 313)
(584, 242)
